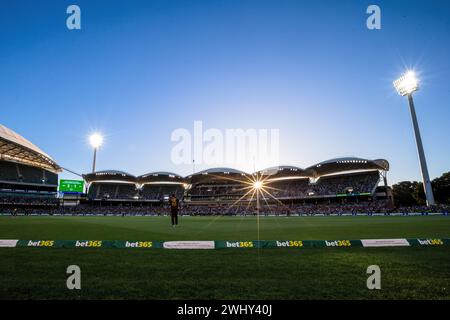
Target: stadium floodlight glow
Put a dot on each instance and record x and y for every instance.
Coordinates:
(405, 86)
(257, 184)
(258, 187)
(96, 141)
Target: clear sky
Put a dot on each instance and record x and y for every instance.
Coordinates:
(138, 70)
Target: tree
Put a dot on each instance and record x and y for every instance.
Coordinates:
(441, 188)
(404, 193)
(410, 193)
(419, 193)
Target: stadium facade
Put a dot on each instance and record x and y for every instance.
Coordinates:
(349, 177)
(30, 176)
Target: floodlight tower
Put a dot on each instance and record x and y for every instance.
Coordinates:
(405, 86)
(96, 141)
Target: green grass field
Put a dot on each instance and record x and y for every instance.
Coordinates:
(288, 273)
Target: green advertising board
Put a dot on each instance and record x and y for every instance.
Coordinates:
(71, 186)
(238, 244)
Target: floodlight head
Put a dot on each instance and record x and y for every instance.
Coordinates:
(96, 140)
(257, 185)
(407, 84)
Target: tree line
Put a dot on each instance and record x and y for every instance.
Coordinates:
(411, 193)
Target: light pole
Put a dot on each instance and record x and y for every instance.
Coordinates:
(405, 86)
(96, 140)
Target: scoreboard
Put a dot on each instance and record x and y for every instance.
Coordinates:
(71, 186)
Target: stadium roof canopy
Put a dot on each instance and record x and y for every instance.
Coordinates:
(340, 165)
(14, 147)
(161, 176)
(219, 171)
(280, 171)
(109, 175)
(217, 174)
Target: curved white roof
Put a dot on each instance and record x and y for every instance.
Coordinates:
(109, 175)
(112, 172)
(14, 147)
(160, 173)
(219, 171)
(274, 170)
(344, 164)
(355, 160)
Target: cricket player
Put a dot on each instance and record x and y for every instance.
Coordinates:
(174, 206)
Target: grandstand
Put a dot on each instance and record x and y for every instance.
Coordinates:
(111, 185)
(121, 186)
(28, 176)
(214, 190)
(159, 186)
(331, 180)
(216, 185)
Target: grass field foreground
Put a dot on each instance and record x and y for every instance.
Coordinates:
(288, 273)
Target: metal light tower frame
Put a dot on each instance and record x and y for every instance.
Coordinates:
(96, 140)
(405, 86)
(94, 160)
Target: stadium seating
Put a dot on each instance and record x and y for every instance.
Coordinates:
(9, 171)
(368, 207)
(20, 173)
(112, 191)
(297, 188)
(350, 183)
(159, 191)
(28, 198)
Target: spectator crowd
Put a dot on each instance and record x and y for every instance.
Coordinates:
(369, 207)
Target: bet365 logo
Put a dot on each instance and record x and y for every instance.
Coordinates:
(139, 244)
(430, 242)
(88, 244)
(338, 243)
(240, 244)
(291, 243)
(41, 243)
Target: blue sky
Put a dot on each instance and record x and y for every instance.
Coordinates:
(137, 70)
